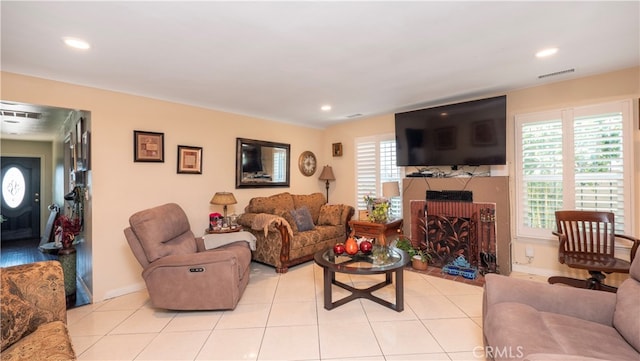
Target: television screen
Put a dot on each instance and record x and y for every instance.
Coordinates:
(251, 158)
(468, 133)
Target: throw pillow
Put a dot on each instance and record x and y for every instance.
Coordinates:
(289, 218)
(303, 219)
(330, 215)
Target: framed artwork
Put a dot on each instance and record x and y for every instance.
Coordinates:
(445, 138)
(337, 149)
(483, 133)
(79, 129)
(148, 146)
(84, 154)
(189, 159)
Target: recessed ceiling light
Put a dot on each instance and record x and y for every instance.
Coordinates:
(76, 43)
(325, 108)
(546, 52)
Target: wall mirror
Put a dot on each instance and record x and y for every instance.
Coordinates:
(261, 164)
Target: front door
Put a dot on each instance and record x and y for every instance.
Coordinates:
(20, 198)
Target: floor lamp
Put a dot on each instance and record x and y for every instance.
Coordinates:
(327, 175)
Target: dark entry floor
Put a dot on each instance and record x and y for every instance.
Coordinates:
(25, 251)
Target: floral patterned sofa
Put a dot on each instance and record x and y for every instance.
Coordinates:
(34, 313)
(287, 234)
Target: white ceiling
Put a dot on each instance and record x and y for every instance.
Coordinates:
(283, 60)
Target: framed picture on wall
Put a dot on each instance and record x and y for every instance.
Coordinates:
(84, 157)
(337, 149)
(148, 146)
(189, 159)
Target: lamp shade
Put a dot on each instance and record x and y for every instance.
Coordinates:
(390, 189)
(327, 174)
(223, 198)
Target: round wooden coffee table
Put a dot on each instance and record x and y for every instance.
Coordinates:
(385, 262)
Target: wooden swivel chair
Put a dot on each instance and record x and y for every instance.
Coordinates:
(587, 241)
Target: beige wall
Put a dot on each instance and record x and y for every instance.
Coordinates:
(122, 187)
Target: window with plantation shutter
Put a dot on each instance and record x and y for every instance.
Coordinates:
(279, 165)
(573, 159)
(376, 164)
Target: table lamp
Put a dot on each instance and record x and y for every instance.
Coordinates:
(390, 190)
(327, 175)
(224, 199)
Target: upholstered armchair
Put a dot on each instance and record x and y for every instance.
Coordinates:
(180, 273)
(535, 321)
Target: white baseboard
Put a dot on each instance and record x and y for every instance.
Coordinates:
(124, 290)
(534, 270)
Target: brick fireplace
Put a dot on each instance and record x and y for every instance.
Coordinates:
(492, 190)
(450, 229)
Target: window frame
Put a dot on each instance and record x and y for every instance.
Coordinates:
(379, 179)
(567, 117)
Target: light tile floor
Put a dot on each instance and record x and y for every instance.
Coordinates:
(282, 317)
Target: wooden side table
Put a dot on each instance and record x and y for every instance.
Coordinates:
(379, 231)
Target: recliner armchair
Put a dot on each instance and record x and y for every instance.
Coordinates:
(179, 272)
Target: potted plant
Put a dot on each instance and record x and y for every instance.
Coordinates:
(378, 209)
(67, 229)
(419, 258)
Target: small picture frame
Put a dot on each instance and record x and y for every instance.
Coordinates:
(363, 215)
(148, 146)
(337, 149)
(85, 154)
(189, 159)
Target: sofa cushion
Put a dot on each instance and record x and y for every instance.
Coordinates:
(312, 201)
(50, 341)
(627, 303)
(509, 325)
(282, 201)
(302, 219)
(16, 313)
(163, 231)
(330, 215)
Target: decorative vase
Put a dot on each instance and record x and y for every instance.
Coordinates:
(67, 258)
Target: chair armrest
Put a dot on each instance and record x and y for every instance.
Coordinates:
(193, 259)
(246, 220)
(634, 247)
(594, 306)
(562, 239)
(347, 214)
(41, 286)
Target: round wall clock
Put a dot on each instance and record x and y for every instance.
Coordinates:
(307, 163)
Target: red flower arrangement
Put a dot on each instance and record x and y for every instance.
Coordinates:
(69, 228)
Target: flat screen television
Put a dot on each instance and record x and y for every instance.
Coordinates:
(251, 158)
(468, 133)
